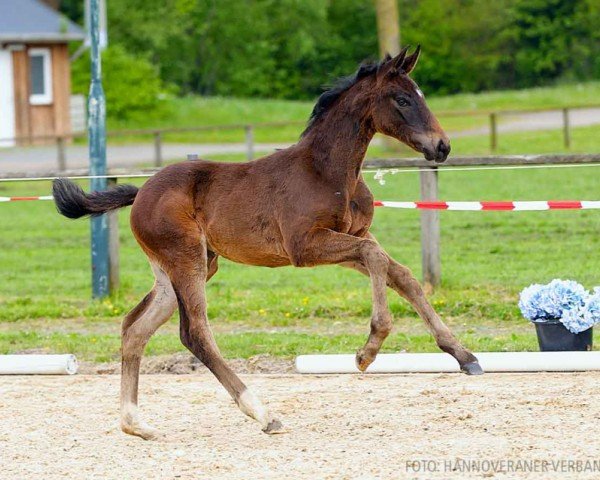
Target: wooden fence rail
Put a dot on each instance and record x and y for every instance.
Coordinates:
(428, 171)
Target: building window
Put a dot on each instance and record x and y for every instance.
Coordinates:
(40, 76)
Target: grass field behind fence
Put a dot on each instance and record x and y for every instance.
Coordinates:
(197, 111)
(487, 257)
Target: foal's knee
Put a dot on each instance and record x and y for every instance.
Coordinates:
(373, 256)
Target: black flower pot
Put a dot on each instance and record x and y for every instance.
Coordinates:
(554, 337)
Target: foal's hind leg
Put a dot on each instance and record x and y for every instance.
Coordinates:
(189, 271)
(139, 325)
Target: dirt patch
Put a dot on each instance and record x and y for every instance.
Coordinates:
(339, 427)
(185, 363)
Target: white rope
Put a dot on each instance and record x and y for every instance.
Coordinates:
(78, 177)
(380, 173)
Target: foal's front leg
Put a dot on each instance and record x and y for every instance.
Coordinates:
(400, 279)
(326, 247)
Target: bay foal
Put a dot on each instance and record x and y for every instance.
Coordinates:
(304, 206)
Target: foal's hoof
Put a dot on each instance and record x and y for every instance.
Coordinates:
(472, 368)
(363, 360)
(274, 427)
(142, 430)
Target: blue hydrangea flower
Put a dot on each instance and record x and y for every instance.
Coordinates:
(592, 308)
(562, 295)
(563, 300)
(529, 302)
(576, 320)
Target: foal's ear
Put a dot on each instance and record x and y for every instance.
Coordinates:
(409, 62)
(398, 60)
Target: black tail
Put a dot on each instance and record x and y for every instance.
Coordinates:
(71, 201)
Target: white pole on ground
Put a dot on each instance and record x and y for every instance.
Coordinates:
(38, 365)
(442, 362)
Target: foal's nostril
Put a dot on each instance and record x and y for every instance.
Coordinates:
(442, 151)
(443, 147)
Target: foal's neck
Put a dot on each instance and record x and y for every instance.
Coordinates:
(338, 142)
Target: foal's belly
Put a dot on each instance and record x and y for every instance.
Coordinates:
(242, 245)
(252, 257)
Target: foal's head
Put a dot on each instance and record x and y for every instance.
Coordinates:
(398, 108)
(390, 101)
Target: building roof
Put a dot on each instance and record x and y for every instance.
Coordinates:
(33, 21)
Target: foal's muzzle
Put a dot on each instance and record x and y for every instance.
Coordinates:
(438, 152)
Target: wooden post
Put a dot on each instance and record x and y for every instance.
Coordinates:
(249, 142)
(566, 128)
(388, 27)
(97, 141)
(61, 154)
(113, 245)
(493, 132)
(430, 231)
(388, 37)
(157, 149)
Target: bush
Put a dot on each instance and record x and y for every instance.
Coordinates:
(131, 84)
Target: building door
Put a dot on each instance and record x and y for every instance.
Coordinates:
(7, 100)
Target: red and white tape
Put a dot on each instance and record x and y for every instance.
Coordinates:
(20, 199)
(512, 206)
(464, 206)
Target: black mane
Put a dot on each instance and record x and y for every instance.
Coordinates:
(329, 97)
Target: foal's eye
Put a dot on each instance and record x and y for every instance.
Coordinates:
(402, 102)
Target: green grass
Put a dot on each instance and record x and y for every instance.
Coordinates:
(203, 111)
(559, 96)
(487, 258)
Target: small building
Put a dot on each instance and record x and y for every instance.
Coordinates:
(35, 73)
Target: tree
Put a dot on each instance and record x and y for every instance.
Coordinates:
(291, 48)
(541, 36)
(73, 9)
(131, 84)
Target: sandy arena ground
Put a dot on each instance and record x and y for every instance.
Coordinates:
(352, 426)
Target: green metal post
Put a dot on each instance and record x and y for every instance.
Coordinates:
(97, 140)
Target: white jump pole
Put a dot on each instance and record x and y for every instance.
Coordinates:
(442, 362)
(38, 365)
